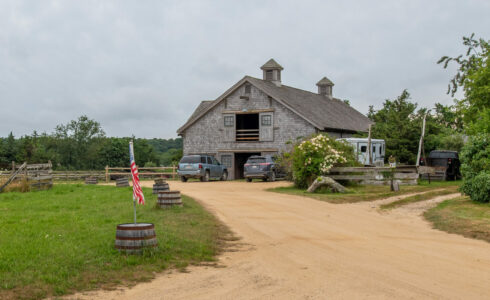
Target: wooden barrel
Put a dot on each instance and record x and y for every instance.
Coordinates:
(159, 180)
(132, 238)
(160, 187)
(91, 180)
(122, 182)
(169, 199)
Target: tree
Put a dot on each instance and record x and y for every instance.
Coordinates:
(473, 76)
(78, 142)
(10, 148)
(396, 124)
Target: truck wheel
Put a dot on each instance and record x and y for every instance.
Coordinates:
(272, 177)
(183, 179)
(205, 178)
(224, 176)
(249, 179)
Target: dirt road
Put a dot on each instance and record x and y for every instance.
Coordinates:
(295, 247)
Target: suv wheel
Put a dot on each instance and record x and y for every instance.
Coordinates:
(272, 177)
(249, 179)
(224, 176)
(183, 179)
(205, 178)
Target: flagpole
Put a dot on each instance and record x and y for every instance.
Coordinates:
(131, 152)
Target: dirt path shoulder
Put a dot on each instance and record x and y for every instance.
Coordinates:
(297, 247)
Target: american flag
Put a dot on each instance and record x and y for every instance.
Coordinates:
(137, 192)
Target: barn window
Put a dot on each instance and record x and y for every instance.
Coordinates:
(228, 121)
(363, 149)
(266, 120)
(248, 88)
(268, 75)
(226, 160)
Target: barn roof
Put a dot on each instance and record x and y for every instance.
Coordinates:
(323, 112)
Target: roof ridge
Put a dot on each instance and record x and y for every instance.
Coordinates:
(285, 85)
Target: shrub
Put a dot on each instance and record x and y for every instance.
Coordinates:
(316, 156)
(478, 187)
(475, 168)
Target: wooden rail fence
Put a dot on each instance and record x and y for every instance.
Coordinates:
(103, 175)
(37, 176)
(407, 175)
(144, 172)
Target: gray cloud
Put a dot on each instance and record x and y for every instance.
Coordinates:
(142, 67)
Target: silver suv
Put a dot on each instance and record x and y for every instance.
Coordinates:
(204, 167)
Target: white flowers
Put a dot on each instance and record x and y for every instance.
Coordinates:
(318, 153)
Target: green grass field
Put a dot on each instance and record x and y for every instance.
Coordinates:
(358, 193)
(60, 241)
(462, 216)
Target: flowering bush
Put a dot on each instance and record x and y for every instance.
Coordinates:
(316, 156)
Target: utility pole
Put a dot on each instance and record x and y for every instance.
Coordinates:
(370, 152)
(421, 142)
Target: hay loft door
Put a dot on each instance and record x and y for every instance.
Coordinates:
(266, 127)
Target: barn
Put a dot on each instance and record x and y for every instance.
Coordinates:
(262, 116)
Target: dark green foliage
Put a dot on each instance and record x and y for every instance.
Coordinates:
(475, 159)
(399, 123)
(81, 145)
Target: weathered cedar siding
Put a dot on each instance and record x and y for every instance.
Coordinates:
(207, 135)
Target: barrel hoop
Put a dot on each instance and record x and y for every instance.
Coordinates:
(135, 247)
(136, 228)
(123, 238)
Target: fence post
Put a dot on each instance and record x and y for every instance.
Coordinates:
(13, 166)
(173, 172)
(106, 174)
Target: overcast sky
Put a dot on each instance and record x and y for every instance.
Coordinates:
(141, 67)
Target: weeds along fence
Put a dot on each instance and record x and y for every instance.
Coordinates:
(407, 175)
(27, 177)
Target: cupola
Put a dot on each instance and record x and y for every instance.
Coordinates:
(325, 87)
(272, 71)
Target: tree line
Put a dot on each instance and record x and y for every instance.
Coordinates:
(448, 127)
(82, 145)
(463, 126)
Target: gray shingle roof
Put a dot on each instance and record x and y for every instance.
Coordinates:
(271, 64)
(325, 112)
(200, 110)
(325, 81)
(321, 111)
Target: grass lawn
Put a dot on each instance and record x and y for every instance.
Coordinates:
(462, 216)
(60, 241)
(358, 193)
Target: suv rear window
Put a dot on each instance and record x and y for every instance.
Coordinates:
(256, 160)
(190, 159)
